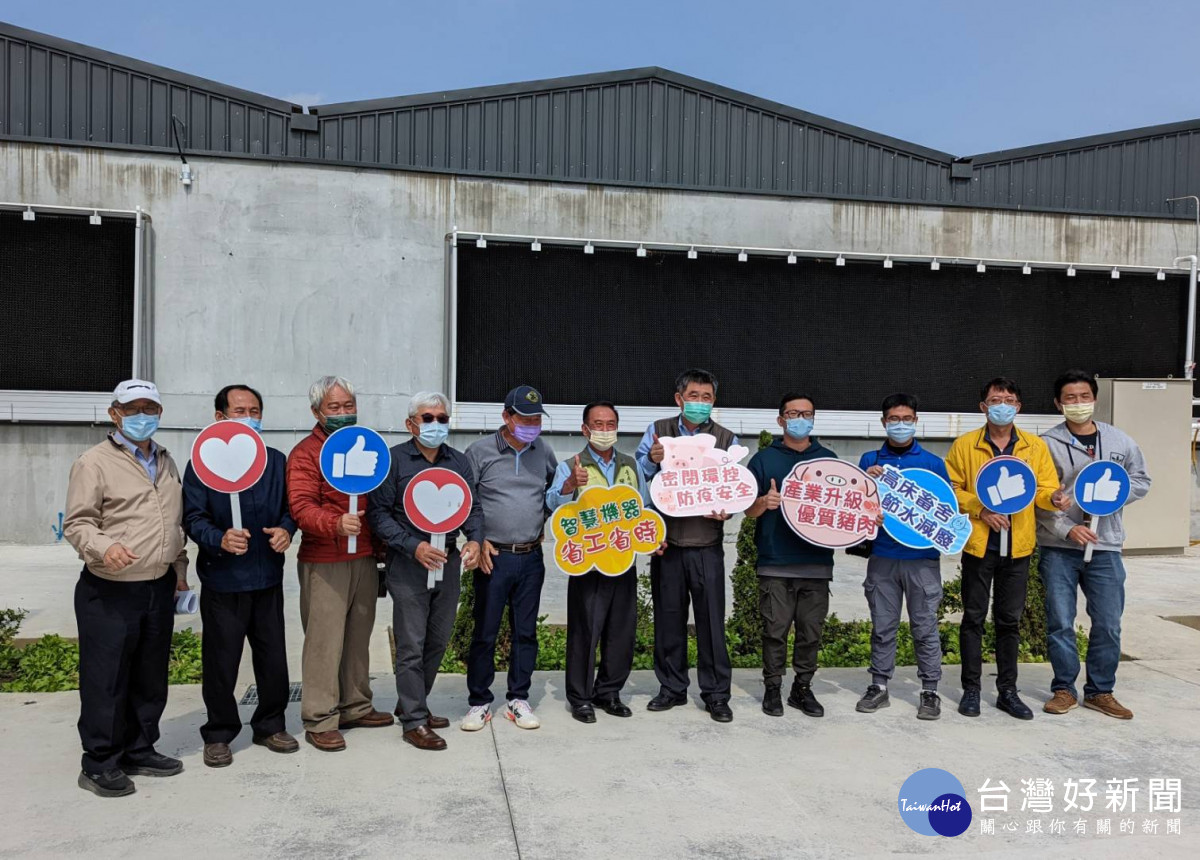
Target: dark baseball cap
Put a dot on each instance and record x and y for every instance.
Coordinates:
(524, 400)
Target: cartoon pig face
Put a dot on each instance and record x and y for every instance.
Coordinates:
(839, 479)
(688, 452)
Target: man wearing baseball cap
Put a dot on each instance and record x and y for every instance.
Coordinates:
(124, 509)
(513, 469)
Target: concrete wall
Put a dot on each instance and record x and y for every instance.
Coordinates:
(274, 274)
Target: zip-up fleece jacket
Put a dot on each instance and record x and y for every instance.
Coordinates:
(110, 500)
(913, 457)
(1069, 457)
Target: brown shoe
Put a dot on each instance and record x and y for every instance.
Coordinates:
(217, 755)
(424, 738)
(331, 741)
(373, 719)
(1106, 704)
(433, 722)
(1062, 702)
(280, 742)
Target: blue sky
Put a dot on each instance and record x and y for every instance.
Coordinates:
(965, 77)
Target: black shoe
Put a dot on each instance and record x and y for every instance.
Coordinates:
(665, 701)
(968, 705)
(1009, 702)
(111, 783)
(151, 764)
(931, 706)
(802, 697)
(772, 702)
(875, 698)
(584, 713)
(614, 707)
(719, 710)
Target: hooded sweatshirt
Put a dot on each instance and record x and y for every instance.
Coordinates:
(1070, 457)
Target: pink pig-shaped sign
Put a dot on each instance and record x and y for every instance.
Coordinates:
(830, 503)
(697, 478)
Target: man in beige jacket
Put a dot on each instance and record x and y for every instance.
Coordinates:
(124, 511)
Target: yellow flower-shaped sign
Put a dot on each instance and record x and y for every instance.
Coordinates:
(603, 530)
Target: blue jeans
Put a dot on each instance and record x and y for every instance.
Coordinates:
(1103, 584)
(515, 582)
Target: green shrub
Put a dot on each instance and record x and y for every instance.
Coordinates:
(743, 630)
(185, 666)
(10, 656)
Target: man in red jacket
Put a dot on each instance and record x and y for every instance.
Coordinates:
(338, 589)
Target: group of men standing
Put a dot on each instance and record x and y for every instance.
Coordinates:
(128, 511)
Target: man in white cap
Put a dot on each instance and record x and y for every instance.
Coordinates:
(123, 516)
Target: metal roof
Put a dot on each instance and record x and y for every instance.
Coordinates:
(647, 127)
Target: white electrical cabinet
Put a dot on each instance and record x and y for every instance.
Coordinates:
(1157, 413)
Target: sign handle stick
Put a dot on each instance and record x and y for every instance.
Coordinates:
(1003, 543)
(352, 541)
(438, 542)
(235, 508)
(1087, 553)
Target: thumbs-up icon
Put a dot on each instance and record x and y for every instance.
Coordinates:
(1103, 490)
(357, 462)
(1006, 487)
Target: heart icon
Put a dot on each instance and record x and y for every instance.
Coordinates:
(229, 460)
(437, 504)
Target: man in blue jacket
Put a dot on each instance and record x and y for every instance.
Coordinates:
(898, 574)
(241, 571)
(793, 574)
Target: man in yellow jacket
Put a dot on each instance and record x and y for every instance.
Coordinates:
(982, 563)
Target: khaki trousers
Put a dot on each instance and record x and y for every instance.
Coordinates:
(337, 612)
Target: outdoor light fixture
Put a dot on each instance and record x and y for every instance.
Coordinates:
(536, 246)
(641, 251)
(743, 256)
(840, 261)
(1116, 273)
(1162, 276)
(887, 262)
(980, 267)
(692, 253)
(94, 220)
(791, 259)
(1070, 271)
(481, 242)
(1027, 269)
(589, 248)
(28, 214)
(934, 265)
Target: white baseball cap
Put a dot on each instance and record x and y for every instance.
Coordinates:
(136, 389)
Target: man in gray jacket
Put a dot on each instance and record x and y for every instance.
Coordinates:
(1064, 535)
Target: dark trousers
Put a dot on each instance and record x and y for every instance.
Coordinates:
(124, 647)
(422, 621)
(694, 575)
(516, 582)
(601, 610)
(230, 619)
(785, 601)
(1004, 580)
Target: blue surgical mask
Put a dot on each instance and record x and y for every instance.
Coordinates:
(901, 434)
(139, 428)
(254, 424)
(1001, 414)
(433, 434)
(799, 428)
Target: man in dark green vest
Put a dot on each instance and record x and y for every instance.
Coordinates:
(692, 569)
(601, 609)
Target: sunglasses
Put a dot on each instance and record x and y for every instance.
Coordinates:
(429, 418)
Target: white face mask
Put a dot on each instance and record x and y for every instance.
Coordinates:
(602, 440)
(1078, 413)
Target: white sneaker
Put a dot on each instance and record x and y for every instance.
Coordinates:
(519, 712)
(476, 718)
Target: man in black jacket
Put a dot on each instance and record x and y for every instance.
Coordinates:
(241, 571)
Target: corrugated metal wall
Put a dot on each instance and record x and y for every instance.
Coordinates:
(646, 132)
(647, 127)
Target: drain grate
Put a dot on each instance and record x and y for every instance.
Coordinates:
(251, 696)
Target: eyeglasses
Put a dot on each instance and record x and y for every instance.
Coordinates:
(148, 409)
(795, 413)
(897, 419)
(429, 418)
